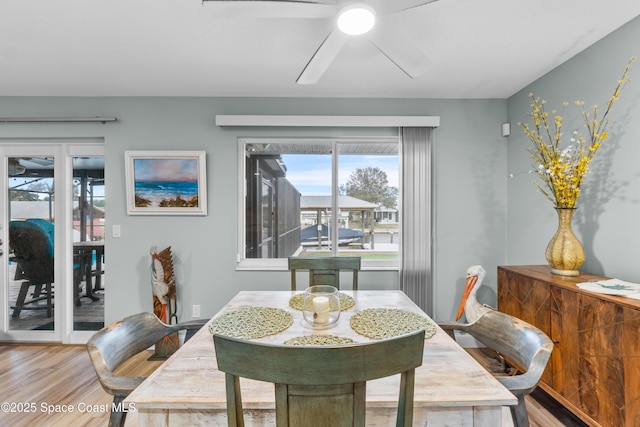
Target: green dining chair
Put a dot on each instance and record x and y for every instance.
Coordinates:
(521, 344)
(325, 270)
(320, 385)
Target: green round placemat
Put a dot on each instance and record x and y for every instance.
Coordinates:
(346, 301)
(252, 322)
(319, 339)
(379, 323)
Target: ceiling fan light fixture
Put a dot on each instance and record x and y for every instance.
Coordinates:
(356, 19)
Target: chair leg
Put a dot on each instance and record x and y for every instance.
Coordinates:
(37, 291)
(519, 413)
(37, 295)
(49, 291)
(22, 295)
(235, 416)
(117, 418)
(405, 399)
(77, 279)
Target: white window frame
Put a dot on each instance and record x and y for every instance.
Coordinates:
(298, 121)
(244, 263)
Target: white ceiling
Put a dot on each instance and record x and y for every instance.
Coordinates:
(480, 48)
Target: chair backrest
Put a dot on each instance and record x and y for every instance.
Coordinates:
(48, 227)
(320, 385)
(524, 345)
(32, 244)
(324, 270)
(121, 340)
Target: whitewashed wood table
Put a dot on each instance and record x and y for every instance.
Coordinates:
(451, 388)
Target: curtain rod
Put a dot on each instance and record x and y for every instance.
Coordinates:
(58, 119)
(327, 121)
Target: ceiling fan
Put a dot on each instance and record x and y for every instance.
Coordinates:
(397, 46)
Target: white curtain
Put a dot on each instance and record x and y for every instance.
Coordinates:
(415, 266)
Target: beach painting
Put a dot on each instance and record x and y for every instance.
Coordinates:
(166, 182)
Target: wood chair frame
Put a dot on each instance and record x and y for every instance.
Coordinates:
(320, 385)
(114, 344)
(521, 344)
(325, 270)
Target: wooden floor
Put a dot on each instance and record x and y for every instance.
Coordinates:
(53, 380)
(44, 383)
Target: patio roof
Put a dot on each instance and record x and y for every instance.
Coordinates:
(347, 203)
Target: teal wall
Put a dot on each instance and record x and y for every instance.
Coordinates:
(481, 215)
(469, 170)
(608, 213)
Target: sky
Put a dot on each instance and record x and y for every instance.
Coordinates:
(311, 174)
(165, 169)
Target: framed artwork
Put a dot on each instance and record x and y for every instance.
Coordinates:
(166, 182)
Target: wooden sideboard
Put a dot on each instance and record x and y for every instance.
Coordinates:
(595, 366)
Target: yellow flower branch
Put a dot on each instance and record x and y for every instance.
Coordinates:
(563, 170)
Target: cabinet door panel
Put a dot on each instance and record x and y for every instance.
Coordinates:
(524, 298)
(630, 352)
(527, 299)
(600, 335)
(508, 300)
(565, 357)
(590, 360)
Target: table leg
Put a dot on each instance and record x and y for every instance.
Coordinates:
(88, 276)
(89, 285)
(98, 285)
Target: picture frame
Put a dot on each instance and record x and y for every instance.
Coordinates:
(166, 182)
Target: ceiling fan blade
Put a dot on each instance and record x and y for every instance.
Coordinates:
(388, 7)
(322, 58)
(271, 8)
(402, 51)
(272, 1)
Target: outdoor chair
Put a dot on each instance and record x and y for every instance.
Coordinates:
(324, 270)
(523, 345)
(31, 244)
(320, 385)
(116, 343)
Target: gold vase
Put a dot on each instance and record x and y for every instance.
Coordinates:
(564, 252)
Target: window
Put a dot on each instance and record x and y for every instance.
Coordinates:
(301, 195)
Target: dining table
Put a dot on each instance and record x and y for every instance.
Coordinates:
(451, 387)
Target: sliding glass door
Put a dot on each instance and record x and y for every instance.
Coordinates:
(52, 232)
(88, 204)
(30, 206)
